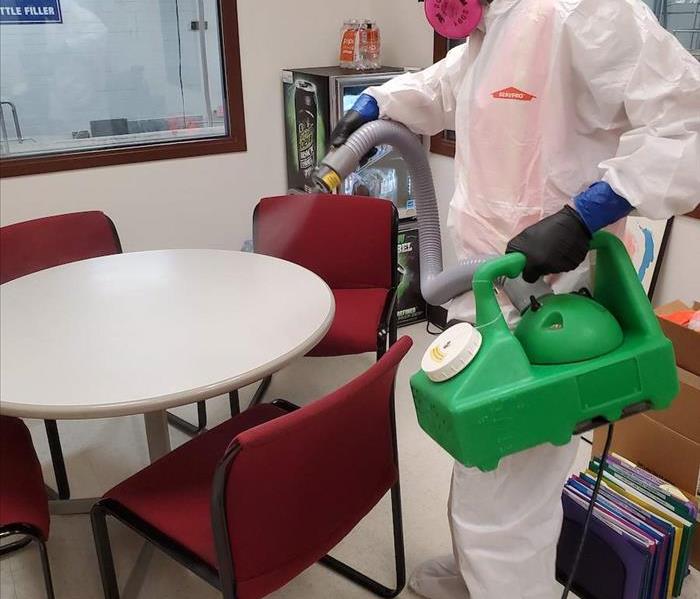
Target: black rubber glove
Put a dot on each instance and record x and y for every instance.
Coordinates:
(351, 122)
(365, 110)
(558, 243)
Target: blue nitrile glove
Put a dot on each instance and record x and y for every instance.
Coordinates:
(365, 110)
(599, 206)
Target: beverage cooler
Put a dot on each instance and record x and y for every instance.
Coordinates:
(411, 306)
(314, 101)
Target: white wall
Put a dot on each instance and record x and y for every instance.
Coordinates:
(208, 201)
(680, 274)
(407, 39)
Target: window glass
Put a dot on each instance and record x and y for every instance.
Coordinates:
(99, 74)
(683, 19)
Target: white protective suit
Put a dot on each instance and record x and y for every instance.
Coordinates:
(546, 97)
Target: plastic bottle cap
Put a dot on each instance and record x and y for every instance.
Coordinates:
(451, 352)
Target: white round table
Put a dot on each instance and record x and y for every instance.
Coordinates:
(142, 332)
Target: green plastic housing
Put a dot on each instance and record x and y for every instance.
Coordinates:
(502, 404)
(568, 328)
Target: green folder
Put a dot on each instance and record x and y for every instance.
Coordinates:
(662, 497)
(683, 526)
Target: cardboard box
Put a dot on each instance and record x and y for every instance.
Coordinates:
(684, 414)
(686, 342)
(695, 545)
(666, 442)
(661, 451)
(656, 448)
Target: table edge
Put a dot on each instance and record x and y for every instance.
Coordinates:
(174, 400)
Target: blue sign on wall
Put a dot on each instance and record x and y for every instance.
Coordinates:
(19, 12)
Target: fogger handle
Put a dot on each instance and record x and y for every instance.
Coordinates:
(488, 310)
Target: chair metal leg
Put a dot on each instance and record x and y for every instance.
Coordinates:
(260, 393)
(387, 335)
(28, 535)
(154, 539)
(188, 428)
(14, 546)
(381, 344)
(234, 402)
(393, 328)
(108, 574)
(46, 568)
(382, 334)
(399, 556)
(59, 464)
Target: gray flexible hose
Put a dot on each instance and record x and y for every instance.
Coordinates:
(437, 286)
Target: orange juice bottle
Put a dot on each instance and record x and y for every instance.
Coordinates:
(370, 45)
(349, 44)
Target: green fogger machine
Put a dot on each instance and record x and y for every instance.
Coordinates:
(504, 401)
(574, 362)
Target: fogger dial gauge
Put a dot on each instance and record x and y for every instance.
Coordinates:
(451, 352)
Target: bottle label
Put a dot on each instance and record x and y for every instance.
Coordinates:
(306, 134)
(373, 42)
(347, 46)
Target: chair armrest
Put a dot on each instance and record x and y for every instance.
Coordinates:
(285, 405)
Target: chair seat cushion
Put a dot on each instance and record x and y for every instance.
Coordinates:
(23, 497)
(174, 493)
(354, 329)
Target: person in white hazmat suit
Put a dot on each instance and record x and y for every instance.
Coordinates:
(569, 114)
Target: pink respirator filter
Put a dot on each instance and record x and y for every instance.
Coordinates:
(454, 19)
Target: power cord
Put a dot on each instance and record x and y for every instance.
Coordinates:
(589, 515)
(439, 331)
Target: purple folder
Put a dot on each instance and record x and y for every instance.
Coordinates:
(613, 566)
(663, 535)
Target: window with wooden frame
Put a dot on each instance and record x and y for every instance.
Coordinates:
(443, 143)
(105, 82)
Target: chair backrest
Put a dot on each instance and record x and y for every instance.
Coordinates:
(298, 484)
(35, 245)
(23, 500)
(349, 241)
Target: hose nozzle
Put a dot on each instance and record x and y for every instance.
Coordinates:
(326, 178)
(335, 167)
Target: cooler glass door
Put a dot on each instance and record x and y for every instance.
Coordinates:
(385, 175)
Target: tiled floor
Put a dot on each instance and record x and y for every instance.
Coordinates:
(101, 453)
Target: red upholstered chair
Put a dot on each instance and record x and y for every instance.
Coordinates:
(43, 243)
(351, 243)
(252, 503)
(24, 507)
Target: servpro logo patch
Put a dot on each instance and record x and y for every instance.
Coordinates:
(513, 93)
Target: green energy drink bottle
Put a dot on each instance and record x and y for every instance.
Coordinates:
(306, 114)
